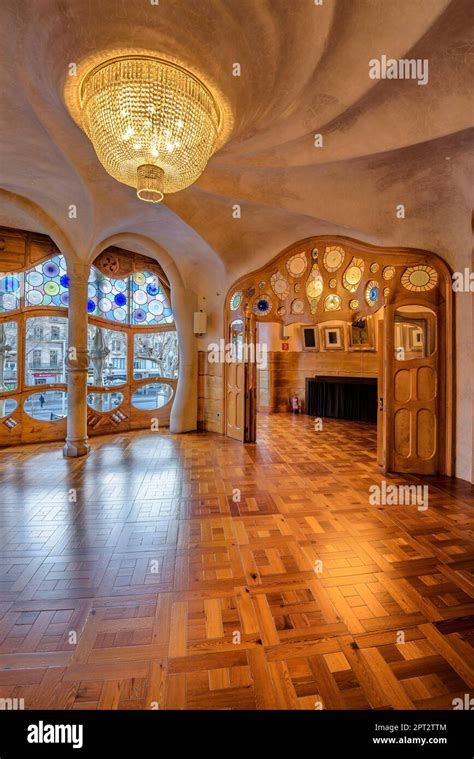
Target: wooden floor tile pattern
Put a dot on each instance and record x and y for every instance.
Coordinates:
(182, 597)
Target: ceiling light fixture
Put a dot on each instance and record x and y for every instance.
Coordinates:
(153, 124)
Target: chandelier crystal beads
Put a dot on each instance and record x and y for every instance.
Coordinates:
(153, 124)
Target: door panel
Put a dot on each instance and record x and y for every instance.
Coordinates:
(235, 401)
(235, 383)
(241, 381)
(381, 415)
(250, 434)
(411, 389)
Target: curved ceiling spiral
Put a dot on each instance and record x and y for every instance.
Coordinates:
(308, 77)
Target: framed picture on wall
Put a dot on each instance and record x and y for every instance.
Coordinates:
(309, 337)
(333, 338)
(362, 334)
(417, 341)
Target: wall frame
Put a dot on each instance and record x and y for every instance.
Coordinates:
(362, 334)
(333, 337)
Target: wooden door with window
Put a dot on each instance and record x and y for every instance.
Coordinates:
(235, 381)
(411, 393)
(250, 357)
(241, 380)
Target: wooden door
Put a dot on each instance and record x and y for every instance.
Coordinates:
(241, 381)
(411, 389)
(235, 383)
(381, 415)
(250, 359)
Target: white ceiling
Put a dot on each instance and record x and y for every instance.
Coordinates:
(304, 70)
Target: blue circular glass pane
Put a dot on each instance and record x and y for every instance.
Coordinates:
(374, 293)
(34, 278)
(139, 315)
(11, 284)
(120, 299)
(65, 299)
(167, 312)
(262, 305)
(51, 269)
(152, 289)
(64, 281)
(90, 306)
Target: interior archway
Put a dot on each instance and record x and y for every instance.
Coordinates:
(332, 313)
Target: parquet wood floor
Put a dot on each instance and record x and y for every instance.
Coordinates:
(182, 596)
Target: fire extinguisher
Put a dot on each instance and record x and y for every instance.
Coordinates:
(295, 404)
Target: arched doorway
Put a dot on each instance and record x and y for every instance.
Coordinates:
(374, 312)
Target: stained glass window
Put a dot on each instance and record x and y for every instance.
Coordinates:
(149, 303)
(107, 297)
(372, 293)
(138, 300)
(10, 290)
(236, 300)
(47, 283)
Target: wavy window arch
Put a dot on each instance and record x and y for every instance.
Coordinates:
(132, 339)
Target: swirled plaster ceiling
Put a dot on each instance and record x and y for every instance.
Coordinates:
(304, 70)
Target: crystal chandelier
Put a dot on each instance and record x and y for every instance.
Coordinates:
(153, 124)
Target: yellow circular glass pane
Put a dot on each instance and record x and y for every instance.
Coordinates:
(51, 288)
(353, 275)
(419, 278)
(388, 272)
(314, 288)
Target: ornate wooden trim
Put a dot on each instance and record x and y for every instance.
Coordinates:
(120, 263)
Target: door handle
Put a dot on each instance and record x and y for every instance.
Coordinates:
(380, 404)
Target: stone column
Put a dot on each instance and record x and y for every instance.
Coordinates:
(184, 411)
(77, 362)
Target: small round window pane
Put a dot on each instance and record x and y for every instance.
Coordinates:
(104, 401)
(49, 406)
(149, 397)
(7, 406)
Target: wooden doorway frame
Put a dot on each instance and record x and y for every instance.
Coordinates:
(377, 259)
